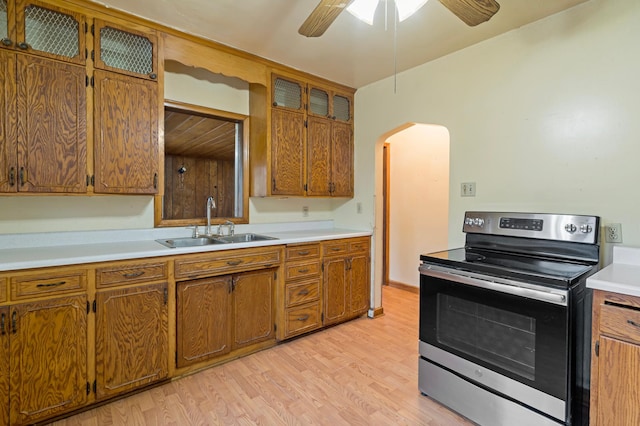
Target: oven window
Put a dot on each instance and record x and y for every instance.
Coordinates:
(501, 338)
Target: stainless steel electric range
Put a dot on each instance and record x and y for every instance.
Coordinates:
(505, 321)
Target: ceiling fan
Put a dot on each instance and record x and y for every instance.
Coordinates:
(471, 12)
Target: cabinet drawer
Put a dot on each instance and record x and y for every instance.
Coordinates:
(302, 269)
(3, 289)
(620, 322)
(225, 262)
(335, 248)
(302, 319)
(302, 251)
(359, 246)
(302, 292)
(45, 284)
(130, 273)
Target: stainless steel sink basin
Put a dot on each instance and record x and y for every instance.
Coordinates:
(244, 238)
(190, 242)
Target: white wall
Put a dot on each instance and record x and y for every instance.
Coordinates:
(543, 118)
(419, 198)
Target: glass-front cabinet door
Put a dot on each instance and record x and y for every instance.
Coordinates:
(48, 30)
(125, 50)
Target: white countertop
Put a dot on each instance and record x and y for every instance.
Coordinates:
(71, 248)
(622, 275)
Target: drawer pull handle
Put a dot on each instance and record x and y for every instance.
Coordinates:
(2, 332)
(43, 285)
(303, 252)
(234, 262)
(335, 248)
(133, 274)
(633, 323)
(14, 322)
(303, 318)
(303, 292)
(303, 271)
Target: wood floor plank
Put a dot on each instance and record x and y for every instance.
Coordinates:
(364, 372)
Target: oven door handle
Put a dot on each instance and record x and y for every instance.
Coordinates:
(543, 296)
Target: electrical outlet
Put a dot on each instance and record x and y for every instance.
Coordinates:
(613, 233)
(468, 189)
(305, 211)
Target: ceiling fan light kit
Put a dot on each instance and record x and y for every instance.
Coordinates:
(366, 9)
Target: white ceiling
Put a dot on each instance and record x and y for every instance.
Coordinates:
(350, 52)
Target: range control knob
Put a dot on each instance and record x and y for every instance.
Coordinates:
(570, 228)
(478, 222)
(586, 228)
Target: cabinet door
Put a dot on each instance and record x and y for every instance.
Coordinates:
(336, 291)
(131, 338)
(4, 361)
(287, 151)
(341, 160)
(52, 126)
(50, 31)
(359, 285)
(7, 24)
(618, 378)
(203, 321)
(253, 307)
(48, 358)
(126, 134)
(8, 146)
(319, 156)
(125, 50)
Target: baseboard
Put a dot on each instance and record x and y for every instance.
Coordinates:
(375, 312)
(405, 287)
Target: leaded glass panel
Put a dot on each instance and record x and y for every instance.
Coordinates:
(287, 94)
(126, 51)
(319, 102)
(4, 26)
(51, 32)
(341, 108)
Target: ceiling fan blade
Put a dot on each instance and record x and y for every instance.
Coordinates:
(472, 12)
(322, 17)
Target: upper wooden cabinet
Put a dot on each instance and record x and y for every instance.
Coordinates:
(125, 50)
(43, 138)
(309, 141)
(126, 149)
(43, 29)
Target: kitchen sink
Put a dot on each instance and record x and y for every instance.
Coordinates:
(207, 241)
(244, 238)
(190, 242)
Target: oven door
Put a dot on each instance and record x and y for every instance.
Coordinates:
(518, 332)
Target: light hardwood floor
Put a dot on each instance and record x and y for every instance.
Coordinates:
(363, 372)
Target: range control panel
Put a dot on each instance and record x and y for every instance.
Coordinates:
(562, 227)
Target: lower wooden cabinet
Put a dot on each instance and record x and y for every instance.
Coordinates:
(4, 362)
(346, 279)
(219, 314)
(615, 362)
(203, 319)
(48, 358)
(131, 338)
(253, 316)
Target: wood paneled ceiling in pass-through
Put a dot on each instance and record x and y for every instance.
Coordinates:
(196, 135)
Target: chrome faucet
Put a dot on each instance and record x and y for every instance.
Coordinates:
(211, 204)
(230, 227)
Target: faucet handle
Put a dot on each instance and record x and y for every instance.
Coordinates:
(196, 233)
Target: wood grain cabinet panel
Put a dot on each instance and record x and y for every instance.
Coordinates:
(615, 360)
(346, 279)
(4, 362)
(48, 358)
(287, 150)
(253, 307)
(131, 273)
(126, 134)
(3, 289)
(52, 282)
(303, 319)
(227, 262)
(203, 317)
(8, 123)
(131, 338)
